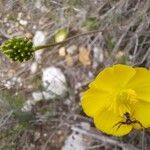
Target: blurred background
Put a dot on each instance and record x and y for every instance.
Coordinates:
(40, 99)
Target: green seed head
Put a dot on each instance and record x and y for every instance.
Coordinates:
(18, 49)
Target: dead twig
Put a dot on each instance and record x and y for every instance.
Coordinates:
(105, 139)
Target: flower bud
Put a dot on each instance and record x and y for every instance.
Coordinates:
(18, 49)
(61, 35)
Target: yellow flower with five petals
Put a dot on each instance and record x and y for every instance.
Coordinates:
(119, 99)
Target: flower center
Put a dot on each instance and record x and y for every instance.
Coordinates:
(125, 101)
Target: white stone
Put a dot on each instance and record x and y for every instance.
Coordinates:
(48, 95)
(39, 39)
(37, 135)
(34, 27)
(98, 56)
(72, 49)
(30, 102)
(33, 67)
(8, 85)
(74, 142)
(85, 125)
(45, 134)
(38, 4)
(62, 51)
(12, 82)
(54, 81)
(27, 106)
(38, 55)
(19, 15)
(37, 96)
(67, 102)
(23, 22)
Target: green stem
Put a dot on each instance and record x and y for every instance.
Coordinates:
(67, 40)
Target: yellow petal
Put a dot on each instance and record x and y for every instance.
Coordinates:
(142, 113)
(113, 78)
(141, 76)
(108, 122)
(93, 100)
(143, 93)
(140, 83)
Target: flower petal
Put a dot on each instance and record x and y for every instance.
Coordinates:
(93, 100)
(140, 83)
(113, 78)
(142, 113)
(109, 122)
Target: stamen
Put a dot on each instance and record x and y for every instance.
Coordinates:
(125, 101)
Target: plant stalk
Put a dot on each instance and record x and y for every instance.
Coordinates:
(67, 40)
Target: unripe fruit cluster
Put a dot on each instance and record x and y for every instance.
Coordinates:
(18, 49)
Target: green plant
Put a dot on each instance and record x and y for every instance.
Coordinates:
(90, 23)
(22, 49)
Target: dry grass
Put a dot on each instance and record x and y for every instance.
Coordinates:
(125, 38)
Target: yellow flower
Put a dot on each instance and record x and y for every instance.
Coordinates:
(119, 99)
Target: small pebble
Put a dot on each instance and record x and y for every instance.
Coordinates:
(33, 67)
(62, 51)
(72, 49)
(23, 22)
(54, 81)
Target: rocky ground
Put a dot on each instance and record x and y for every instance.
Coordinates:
(40, 99)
